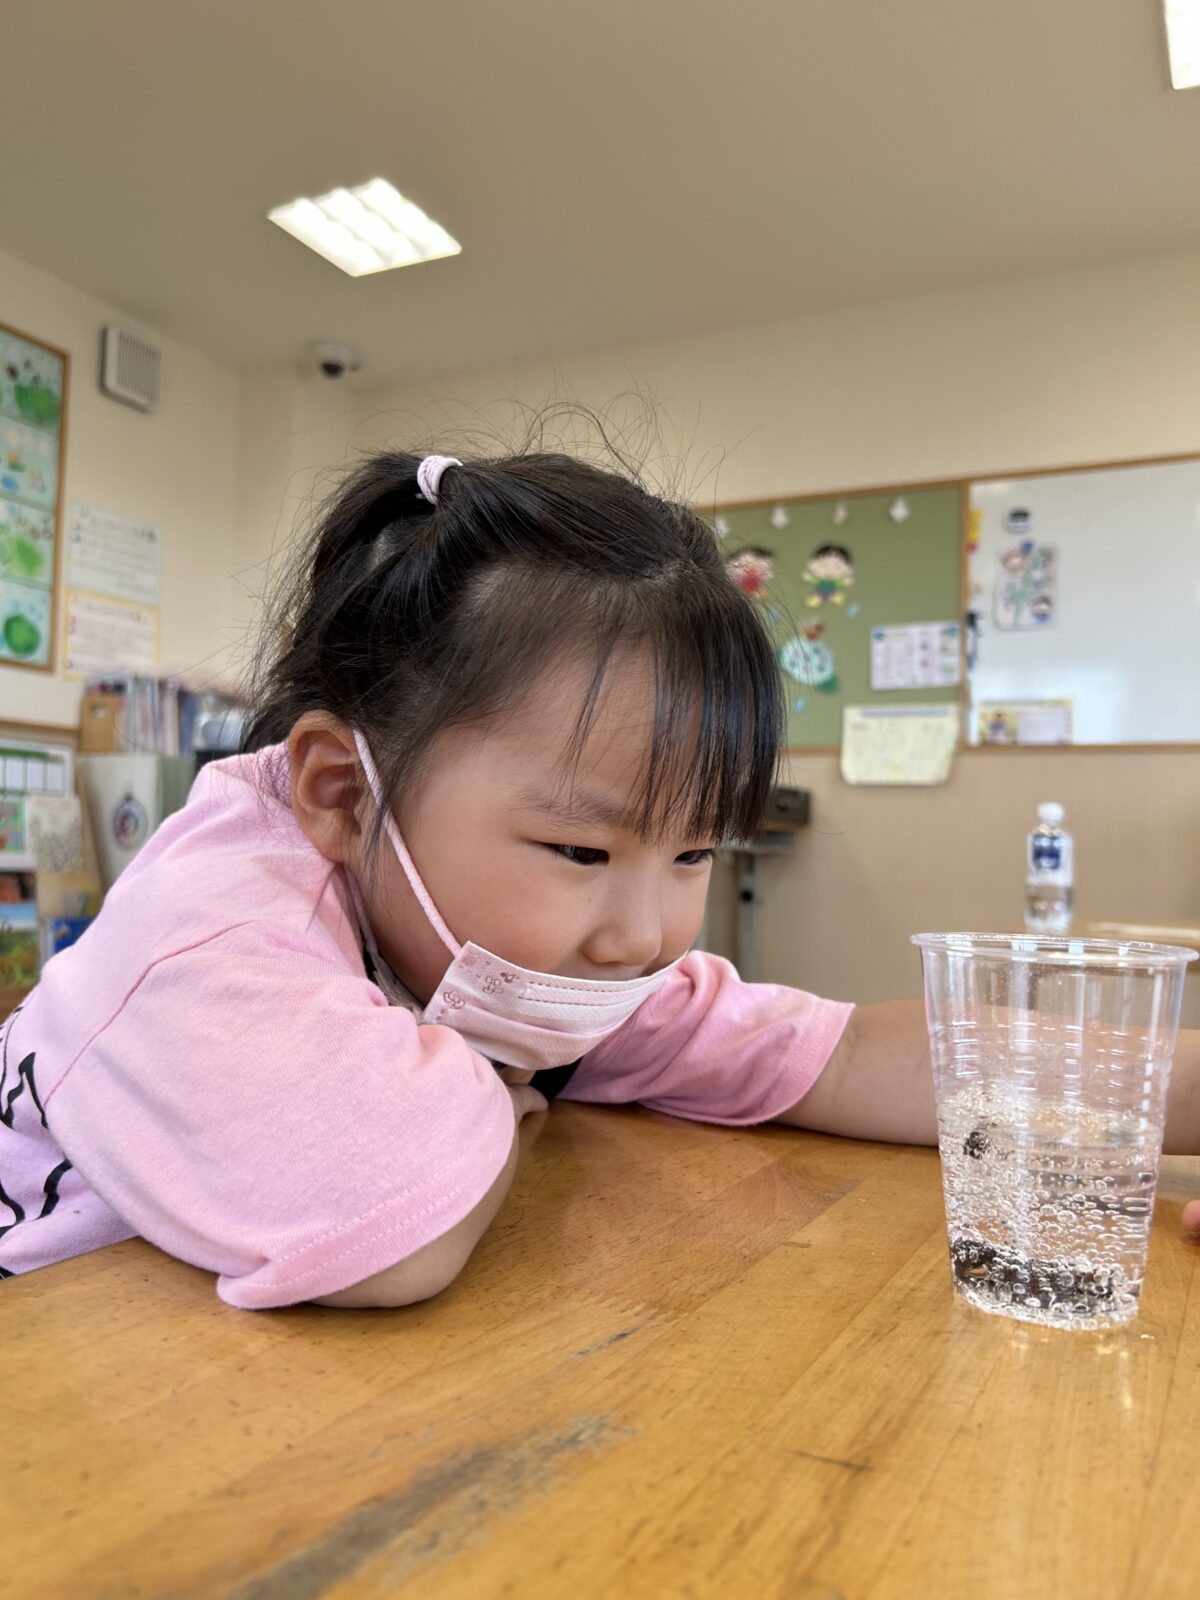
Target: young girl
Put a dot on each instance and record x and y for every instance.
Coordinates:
(459, 869)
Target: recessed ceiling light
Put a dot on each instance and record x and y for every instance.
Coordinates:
(1183, 42)
(371, 228)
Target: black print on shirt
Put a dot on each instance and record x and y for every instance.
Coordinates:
(8, 1100)
(24, 1077)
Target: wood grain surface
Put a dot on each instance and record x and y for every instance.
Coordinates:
(685, 1362)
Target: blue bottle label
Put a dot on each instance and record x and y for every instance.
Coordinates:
(1051, 858)
(1047, 853)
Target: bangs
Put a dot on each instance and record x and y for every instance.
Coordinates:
(713, 742)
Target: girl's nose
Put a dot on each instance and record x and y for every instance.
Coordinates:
(629, 936)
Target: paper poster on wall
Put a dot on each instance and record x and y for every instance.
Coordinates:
(19, 925)
(1024, 721)
(113, 555)
(105, 636)
(916, 655)
(33, 381)
(54, 831)
(1026, 593)
(26, 614)
(899, 744)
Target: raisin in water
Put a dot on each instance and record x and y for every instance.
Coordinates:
(1048, 1206)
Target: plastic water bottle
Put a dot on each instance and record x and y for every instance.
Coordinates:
(1049, 873)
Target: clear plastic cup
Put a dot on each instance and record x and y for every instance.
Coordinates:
(1051, 1060)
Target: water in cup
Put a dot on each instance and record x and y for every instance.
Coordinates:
(1048, 1205)
(1051, 1063)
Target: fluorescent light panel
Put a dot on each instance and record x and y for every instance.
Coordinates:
(1183, 42)
(371, 228)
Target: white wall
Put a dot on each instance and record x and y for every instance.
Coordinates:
(1077, 367)
(175, 468)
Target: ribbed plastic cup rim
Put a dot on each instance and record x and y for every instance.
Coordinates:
(1059, 950)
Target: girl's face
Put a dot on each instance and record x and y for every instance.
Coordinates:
(540, 866)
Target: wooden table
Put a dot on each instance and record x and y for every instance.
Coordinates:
(685, 1362)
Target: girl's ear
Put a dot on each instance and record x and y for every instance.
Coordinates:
(326, 789)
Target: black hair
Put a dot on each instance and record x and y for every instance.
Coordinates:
(832, 550)
(404, 619)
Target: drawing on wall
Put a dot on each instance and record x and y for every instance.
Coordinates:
(809, 660)
(1026, 586)
(752, 568)
(32, 388)
(828, 573)
(1024, 721)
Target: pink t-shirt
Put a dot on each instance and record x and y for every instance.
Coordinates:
(210, 1067)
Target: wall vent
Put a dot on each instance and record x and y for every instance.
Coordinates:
(129, 369)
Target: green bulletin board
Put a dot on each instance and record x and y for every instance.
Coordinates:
(820, 611)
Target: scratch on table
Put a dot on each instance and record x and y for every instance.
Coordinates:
(613, 1338)
(832, 1461)
(438, 1512)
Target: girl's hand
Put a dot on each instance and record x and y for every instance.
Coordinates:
(1191, 1216)
(525, 1099)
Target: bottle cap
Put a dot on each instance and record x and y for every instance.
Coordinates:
(1050, 811)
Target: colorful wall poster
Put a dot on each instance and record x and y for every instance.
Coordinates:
(1026, 594)
(33, 385)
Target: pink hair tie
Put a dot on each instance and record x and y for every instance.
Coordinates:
(429, 475)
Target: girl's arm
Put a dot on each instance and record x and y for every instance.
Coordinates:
(435, 1266)
(878, 1084)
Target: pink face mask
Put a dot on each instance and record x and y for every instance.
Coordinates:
(509, 1014)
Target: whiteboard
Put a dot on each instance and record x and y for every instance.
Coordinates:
(1118, 631)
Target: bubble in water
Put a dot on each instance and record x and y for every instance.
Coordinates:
(1049, 1206)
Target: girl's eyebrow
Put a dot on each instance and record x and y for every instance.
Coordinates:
(578, 805)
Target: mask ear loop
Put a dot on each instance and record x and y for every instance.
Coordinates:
(401, 849)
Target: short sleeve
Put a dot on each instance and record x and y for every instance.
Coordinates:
(258, 1110)
(710, 1047)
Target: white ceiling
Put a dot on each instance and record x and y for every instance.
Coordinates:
(615, 169)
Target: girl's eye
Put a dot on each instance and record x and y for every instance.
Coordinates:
(580, 854)
(695, 858)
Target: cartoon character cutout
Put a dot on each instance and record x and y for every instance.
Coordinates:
(752, 568)
(809, 660)
(829, 573)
